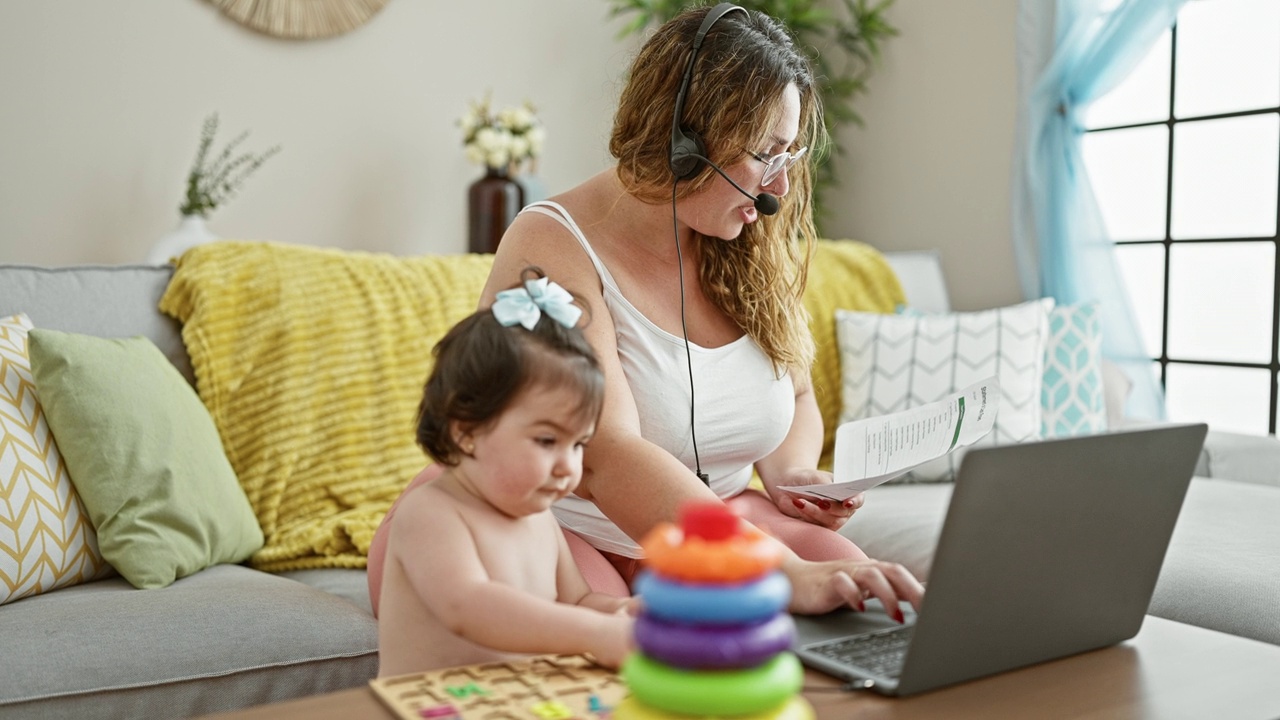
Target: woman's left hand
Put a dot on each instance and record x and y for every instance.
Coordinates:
(830, 514)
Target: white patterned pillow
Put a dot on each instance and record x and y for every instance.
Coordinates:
(890, 363)
(46, 539)
(1071, 396)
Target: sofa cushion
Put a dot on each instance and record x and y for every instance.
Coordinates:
(1222, 570)
(893, 363)
(901, 523)
(1072, 399)
(352, 585)
(143, 455)
(102, 300)
(223, 638)
(1218, 573)
(46, 539)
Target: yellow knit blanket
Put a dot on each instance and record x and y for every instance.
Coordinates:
(312, 361)
(849, 275)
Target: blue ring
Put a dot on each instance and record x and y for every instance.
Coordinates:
(734, 604)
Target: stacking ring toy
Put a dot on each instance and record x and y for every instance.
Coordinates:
(722, 692)
(714, 646)
(746, 555)
(713, 604)
(630, 709)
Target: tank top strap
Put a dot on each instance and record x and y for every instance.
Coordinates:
(557, 212)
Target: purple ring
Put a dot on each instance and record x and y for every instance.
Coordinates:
(714, 646)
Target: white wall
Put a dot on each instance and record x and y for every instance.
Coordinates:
(101, 105)
(930, 169)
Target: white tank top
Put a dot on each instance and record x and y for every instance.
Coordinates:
(743, 410)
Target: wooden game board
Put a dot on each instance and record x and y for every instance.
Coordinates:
(547, 687)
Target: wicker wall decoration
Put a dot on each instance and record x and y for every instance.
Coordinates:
(301, 19)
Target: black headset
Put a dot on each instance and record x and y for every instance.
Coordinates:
(687, 151)
(686, 145)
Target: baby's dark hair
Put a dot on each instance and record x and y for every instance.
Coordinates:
(481, 366)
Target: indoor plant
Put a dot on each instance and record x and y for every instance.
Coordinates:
(210, 183)
(505, 143)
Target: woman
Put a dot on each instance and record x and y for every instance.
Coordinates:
(652, 256)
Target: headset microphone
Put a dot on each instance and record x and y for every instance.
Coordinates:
(766, 204)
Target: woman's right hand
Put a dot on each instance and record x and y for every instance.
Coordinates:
(819, 587)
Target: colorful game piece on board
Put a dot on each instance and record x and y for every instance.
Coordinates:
(547, 687)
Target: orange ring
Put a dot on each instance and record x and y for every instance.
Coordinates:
(745, 556)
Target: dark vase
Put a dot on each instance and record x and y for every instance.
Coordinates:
(492, 203)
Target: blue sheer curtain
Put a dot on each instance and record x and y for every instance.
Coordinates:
(1070, 53)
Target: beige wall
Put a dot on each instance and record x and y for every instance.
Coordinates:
(930, 169)
(101, 105)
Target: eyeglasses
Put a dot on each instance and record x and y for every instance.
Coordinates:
(773, 166)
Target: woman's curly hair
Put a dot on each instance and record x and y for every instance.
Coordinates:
(734, 100)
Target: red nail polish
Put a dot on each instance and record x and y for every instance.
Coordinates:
(860, 607)
(848, 503)
(824, 504)
(799, 503)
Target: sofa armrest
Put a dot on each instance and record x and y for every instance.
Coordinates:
(1244, 458)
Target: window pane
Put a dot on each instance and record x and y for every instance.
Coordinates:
(1141, 97)
(1129, 172)
(1224, 177)
(1142, 267)
(1220, 300)
(1228, 56)
(1232, 399)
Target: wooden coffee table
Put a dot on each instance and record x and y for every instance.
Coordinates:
(1170, 670)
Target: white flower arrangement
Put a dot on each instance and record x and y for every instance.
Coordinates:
(505, 140)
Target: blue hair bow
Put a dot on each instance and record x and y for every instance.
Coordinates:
(525, 305)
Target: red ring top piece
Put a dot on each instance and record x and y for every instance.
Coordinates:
(712, 546)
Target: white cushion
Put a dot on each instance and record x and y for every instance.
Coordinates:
(891, 363)
(920, 274)
(46, 538)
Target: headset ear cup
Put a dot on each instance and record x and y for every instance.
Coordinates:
(684, 146)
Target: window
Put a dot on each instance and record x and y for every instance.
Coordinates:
(1184, 157)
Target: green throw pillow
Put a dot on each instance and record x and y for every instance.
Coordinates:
(144, 456)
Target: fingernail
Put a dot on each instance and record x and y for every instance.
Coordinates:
(799, 503)
(824, 504)
(860, 607)
(848, 503)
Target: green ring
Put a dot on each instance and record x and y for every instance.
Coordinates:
(713, 692)
(630, 708)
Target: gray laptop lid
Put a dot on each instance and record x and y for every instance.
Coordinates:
(1048, 549)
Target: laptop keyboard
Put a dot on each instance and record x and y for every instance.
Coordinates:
(880, 653)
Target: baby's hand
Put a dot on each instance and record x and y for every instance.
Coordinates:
(630, 606)
(615, 640)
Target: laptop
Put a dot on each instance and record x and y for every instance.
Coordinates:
(1048, 549)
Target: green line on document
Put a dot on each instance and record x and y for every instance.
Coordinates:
(959, 422)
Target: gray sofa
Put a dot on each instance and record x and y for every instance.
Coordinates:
(230, 636)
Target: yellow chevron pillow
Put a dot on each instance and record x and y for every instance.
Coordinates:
(46, 539)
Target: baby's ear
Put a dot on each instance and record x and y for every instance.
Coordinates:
(461, 435)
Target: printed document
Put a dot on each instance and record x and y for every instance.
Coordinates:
(875, 450)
